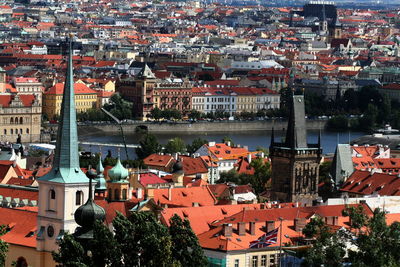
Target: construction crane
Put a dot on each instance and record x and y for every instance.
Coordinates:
(120, 127)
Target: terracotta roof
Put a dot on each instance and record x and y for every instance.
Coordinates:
(22, 226)
(27, 100)
(215, 239)
(223, 151)
(193, 166)
(201, 217)
(80, 88)
(367, 183)
(158, 160)
(185, 197)
(150, 178)
(20, 193)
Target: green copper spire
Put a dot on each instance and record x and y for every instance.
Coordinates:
(66, 167)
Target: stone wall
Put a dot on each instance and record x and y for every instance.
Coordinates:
(228, 126)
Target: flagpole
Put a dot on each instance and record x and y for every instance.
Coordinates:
(280, 242)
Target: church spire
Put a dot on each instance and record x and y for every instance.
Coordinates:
(66, 167)
(296, 136)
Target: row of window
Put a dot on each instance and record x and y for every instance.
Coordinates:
(16, 120)
(267, 260)
(117, 196)
(5, 132)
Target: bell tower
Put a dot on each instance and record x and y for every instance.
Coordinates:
(295, 163)
(65, 188)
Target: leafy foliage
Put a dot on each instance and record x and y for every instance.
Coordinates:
(371, 241)
(148, 145)
(175, 145)
(185, 247)
(119, 107)
(136, 240)
(262, 173)
(196, 144)
(3, 246)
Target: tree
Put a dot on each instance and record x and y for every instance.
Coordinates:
(185, 245)
(194, 114)
(262, 173)
(258, 180)
(374, 243)
(119, 107)
(3, 246)
(148, 145)
(70, 253)
(227, 139)
(328, 248)
(196, 144)
(175, 145)
(156, 114)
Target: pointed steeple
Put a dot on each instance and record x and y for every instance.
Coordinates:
(66, 167)
(296, 136)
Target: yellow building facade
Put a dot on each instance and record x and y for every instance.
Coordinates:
(85, 98)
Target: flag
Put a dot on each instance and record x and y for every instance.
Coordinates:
(266, 239)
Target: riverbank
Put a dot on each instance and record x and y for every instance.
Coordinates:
(198, 127)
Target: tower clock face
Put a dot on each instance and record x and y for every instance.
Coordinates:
(50, 231)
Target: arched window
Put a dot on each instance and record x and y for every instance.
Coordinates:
(16, 120)
(124, 194)
(109, 193)
(21, 120)
(16, 131)
(20, 131)
(12, 131)
(11, 120)
(5, 131)
(52, 200)
(78, 198)
(27, 130)
(21, 262)
(116, 194)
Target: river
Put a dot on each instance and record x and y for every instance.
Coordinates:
(252, 139)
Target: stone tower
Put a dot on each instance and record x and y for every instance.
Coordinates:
(295, 163)
(65, 188)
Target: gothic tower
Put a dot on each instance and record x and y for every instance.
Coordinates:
(65, 188)
(295, 163)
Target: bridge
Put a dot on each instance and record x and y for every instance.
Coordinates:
(108, 144)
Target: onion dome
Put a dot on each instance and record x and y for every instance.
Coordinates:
(178, 167)
(118, 173)
(87, 214)
(100, 181)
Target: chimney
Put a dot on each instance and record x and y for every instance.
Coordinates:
(139, 192)
(241, 228)
(299, 224)
(249, 158)
(170, 192)
(252, 227)
(227, 228)
(269, 226)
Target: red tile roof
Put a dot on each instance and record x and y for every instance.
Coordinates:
(27, 100)
(80, 88)
(150, 178)
(367, 183)
(185, 197)
(193, 166)
(22, 226)
(201, 217)
(158, 160)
